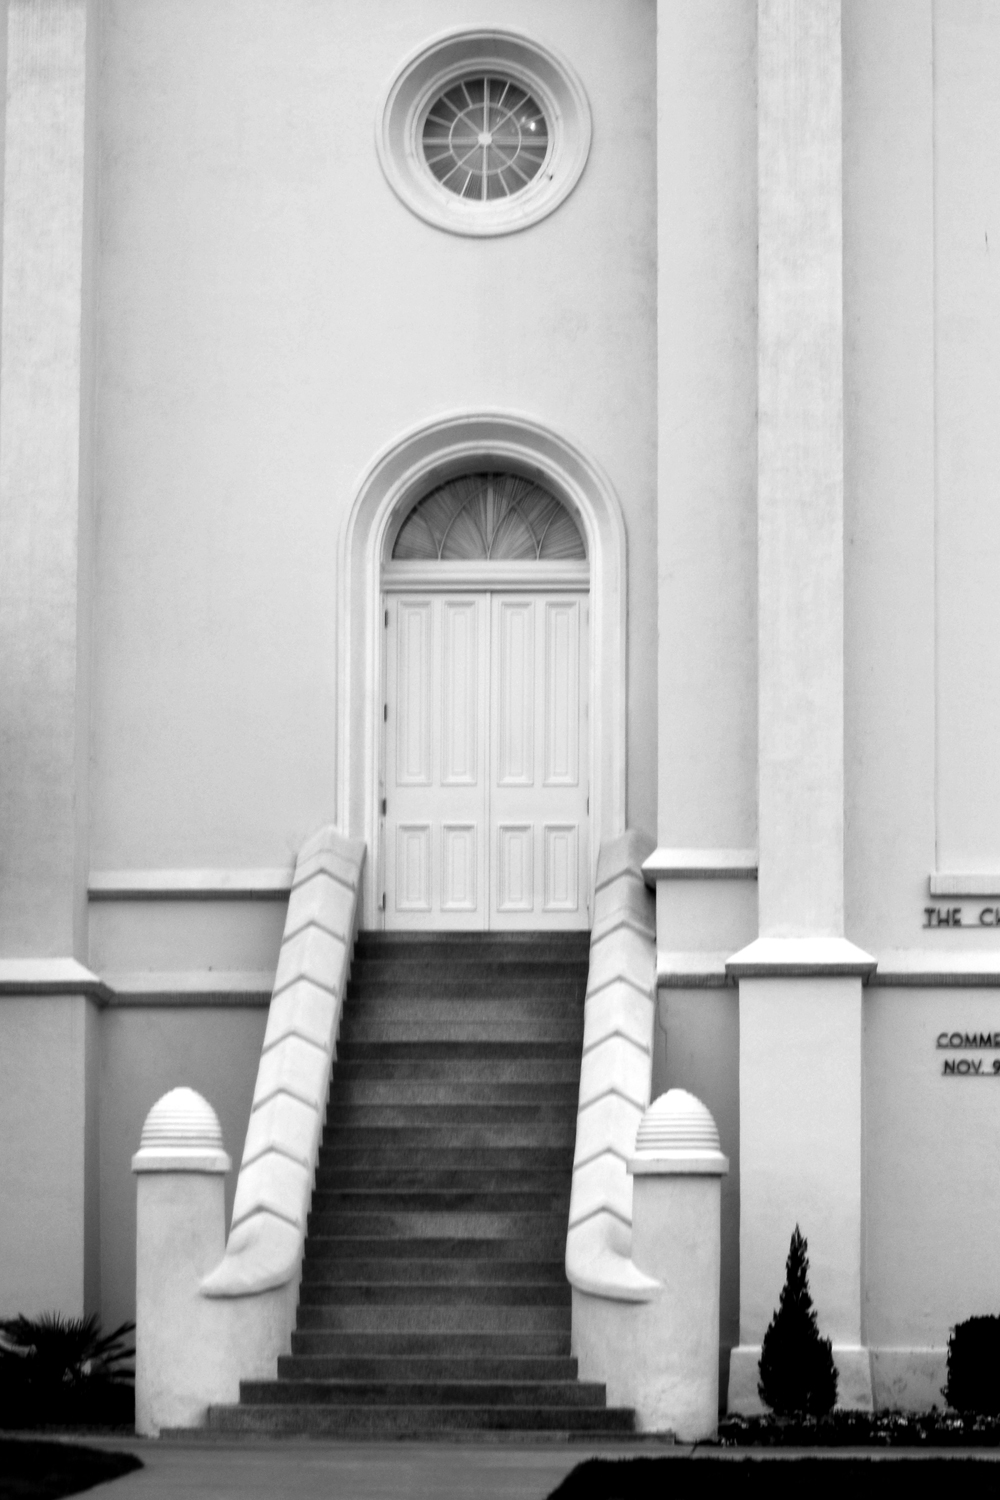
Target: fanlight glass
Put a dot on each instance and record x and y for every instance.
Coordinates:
(489, 517)
(485, 138)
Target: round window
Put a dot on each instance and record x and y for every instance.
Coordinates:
(485, 138)
(483, 132)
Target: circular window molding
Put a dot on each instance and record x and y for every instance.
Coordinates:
(402, 136)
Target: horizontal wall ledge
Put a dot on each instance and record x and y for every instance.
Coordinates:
(196, 987)
(700, 864)
(692, 971)
(807, 957)
(50, 976)
(190, 885)
(929, 969)
(964, 885)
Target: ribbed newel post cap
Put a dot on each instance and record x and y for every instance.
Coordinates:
(677, 1136)
(181, 1134)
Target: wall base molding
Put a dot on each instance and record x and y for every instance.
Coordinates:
(854, 1379)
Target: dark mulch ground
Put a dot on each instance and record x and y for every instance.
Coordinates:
(33, 1470)
(655, 1478)
(856, 1429)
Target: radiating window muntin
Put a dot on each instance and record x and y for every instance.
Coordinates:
(489, 517)
(485, 138)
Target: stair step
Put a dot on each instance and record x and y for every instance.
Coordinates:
(522, 1294)
(534, 1393)
(453, 1179)
(425, 1272)
(448, 1091)
(422, 1367)
(392, 1138)
(416, 1421)
(459, 1028)
(338, 1154)
(465, 1344)
(499, 1253)
(439, 1200)
(452, 1002)
(442, 947)
(442, 1050)
(420, 1225)
(425, 971)
(358, 1116)
(556, 991)
(394, 1317)
(488, 1069)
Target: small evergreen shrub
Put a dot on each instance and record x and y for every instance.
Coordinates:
(974, 1366)
(797, 1373)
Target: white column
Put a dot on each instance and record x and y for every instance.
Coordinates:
(49, 1235)
(45, 375)
(800, 982)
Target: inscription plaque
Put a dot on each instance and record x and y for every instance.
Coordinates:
(969, 1041)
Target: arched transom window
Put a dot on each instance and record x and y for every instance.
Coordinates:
(489, 518)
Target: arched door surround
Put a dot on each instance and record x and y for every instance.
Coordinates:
(398, 478)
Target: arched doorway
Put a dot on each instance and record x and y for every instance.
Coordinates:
(484, 777)
(400, 477)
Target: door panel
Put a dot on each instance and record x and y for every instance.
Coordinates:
(413, 867)
(515, 888)
(460, 693)
(561, 884)
(486, 815)
(458, 867)
(562, 692)
(413, 723)
(435, 822)
(538, 876)
(514, 700)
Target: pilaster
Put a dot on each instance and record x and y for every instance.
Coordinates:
(800, 982)
(45, 413)
(48, 1021)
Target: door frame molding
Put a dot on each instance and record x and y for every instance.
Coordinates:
(422, 458)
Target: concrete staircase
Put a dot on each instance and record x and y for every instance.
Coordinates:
(434, 1301)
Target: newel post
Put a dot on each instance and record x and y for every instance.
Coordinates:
(677, 1173)
(180, 1172)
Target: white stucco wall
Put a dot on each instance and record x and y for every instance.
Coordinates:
(271, 316)
(707, 283)
(967, 291)
(889, 488)
(932, 1142)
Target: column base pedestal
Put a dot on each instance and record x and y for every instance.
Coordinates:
(854, 1380)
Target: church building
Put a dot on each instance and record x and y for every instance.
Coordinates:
(542, 460)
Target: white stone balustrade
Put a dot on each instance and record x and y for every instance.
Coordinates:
(659, 1353)
(252, 1280)
(615, 1078)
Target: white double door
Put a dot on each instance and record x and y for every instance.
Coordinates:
(485, 821)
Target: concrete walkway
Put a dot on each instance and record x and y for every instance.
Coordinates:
(350, 1471)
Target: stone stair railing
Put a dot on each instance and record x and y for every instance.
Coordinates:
(242, 1311)
(274, 1188)
(643, 1248)
(615, 1078)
